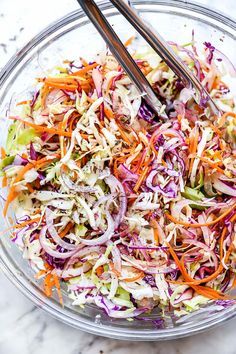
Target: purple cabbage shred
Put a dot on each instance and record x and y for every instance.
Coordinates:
(211, 50)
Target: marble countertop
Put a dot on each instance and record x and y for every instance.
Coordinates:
(26, 329)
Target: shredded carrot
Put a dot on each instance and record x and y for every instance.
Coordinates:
(45, 90)
(164, 163)
(22, 103)
(63, 83)
(27, 222)
(222, 216)
(34, 164)
(141, 161)
(129, 41)
(234, 282)
(43, 129)
(58, 287)
(4, 181)
(141, 179)
(223, 118)
(12, 192)
(83, 71)
(21, 225)
(221, 241)
(65, 231)
(140, 275)
(100, 270)
(193, 148)
(153, 138)
(108, 113)
(211, 163)
(48, 284)
(48, 266)
(215, 83)
(71, 123)
(3, 153)
(192, 281)
(123, 134)
(220, 268)
(215, 129)
(179, 117)
(154, 225)
(202, 290)
(113, 269)
(30, 188)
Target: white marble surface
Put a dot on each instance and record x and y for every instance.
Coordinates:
(25, 329)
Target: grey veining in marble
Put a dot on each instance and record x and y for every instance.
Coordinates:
(24, 329)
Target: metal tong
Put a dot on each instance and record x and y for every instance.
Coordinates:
(159, 45)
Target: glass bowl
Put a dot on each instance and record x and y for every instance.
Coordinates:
(69, 38)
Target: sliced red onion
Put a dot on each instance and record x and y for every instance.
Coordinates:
(19, 236)
(125, 173)
(55, 96)
(171, 173)
(203, 270)
(75, 287)
(44, 244)
(53, 233)
(147, 248)
(103, 200)
(179, 107)
(105, 237)
(45, 136)
(34, 99)
(205, 248)
(87, 250)
(223, 187)
(33, 153)
(149, 267)
(192, 56)
(97, 79)
(22, 218)
(114, 184)
(114, 311)
(186, 295)
(228, 64)
(161, 270)
(171, 131)
(20, 161)
(128, 188)
(116, 78)
(186, 94)
(169, 191)
(72, 272)
(71, 95)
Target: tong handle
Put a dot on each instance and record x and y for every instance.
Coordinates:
(121, 54)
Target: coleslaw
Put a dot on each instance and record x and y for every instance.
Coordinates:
(116, 206)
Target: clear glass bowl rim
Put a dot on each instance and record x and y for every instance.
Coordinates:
(28, 289)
